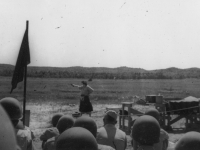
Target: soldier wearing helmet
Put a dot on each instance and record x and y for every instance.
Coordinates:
(89, 124)
(189, 141)
(163, 139)
(76, 138)
(109, 134)
(146, 132)
(53, 131)
(8, 142)
(24, 134)
(64, 123)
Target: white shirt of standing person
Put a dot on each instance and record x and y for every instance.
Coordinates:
(86, 90)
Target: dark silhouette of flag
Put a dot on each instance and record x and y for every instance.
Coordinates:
(22, 61)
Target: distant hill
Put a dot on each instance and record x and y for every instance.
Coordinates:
(104, 73)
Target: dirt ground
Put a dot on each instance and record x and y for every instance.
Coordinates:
(41, 116)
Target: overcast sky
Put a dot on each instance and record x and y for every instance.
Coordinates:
(149, 34)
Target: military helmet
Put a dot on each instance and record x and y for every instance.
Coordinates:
(55, 119)
(189, 141)
(7, 133)
(146, 130)
(76, 138)
(12, 107)
(64, 123)
(153, 112)
(87, 123)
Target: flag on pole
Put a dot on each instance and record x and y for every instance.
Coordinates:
(22, 61)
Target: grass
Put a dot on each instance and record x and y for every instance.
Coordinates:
(48, 96)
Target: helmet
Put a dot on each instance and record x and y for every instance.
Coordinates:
(64, 123)
(7, 138)
(87, 123)
(153, 112)
(189, 141)
(76, 138)
(146, 130)
(55, 119)
(12, 107)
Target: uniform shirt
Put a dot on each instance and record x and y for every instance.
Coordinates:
(104, 147)
(50, 144)
(112, 136)
(86, 90)
(163, 144)
(163, 141)
(49, 133)
(24, 138)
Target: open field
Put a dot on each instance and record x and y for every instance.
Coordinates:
(48, 96)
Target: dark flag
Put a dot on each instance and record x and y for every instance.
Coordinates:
(22, 61)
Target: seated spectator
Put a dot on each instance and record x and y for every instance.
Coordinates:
(76, 138)
(109, 134)
(51, 132)
(89, 124)
(189, 141)
(164, 137)
(146, 132)
(24, 134)
(64, 123)
(8, 142)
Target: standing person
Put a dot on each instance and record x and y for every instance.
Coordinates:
(85, 104)
(109, 134)
(24, 134)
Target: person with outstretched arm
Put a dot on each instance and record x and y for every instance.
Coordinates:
(85, 106)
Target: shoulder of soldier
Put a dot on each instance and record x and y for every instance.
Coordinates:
(104, 147)
(51, 140)
(101, 129)
(51, 130)
(120, 131)
(163, 134)
(49, 133)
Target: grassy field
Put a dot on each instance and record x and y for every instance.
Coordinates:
(106, 91)
(48, 96)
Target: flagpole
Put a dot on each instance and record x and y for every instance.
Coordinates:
(25, 75)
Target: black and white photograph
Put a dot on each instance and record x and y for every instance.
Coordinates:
(100, 75)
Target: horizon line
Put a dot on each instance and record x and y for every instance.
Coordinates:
(103, 67)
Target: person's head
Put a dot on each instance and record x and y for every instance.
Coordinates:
(55, 119)
(110, 117)
(153, 112)
(76, 138)
(13, 109)
(7, 133)
(64, 123)
(146, 130)
(189, 141)
(84, 83)
(87, 123)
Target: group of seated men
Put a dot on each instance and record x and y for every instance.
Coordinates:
(68, 133)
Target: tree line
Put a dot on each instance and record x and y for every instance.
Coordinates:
(99, 75)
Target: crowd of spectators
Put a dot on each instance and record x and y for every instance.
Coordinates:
(82, 133)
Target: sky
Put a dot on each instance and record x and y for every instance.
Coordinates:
(148, 34)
